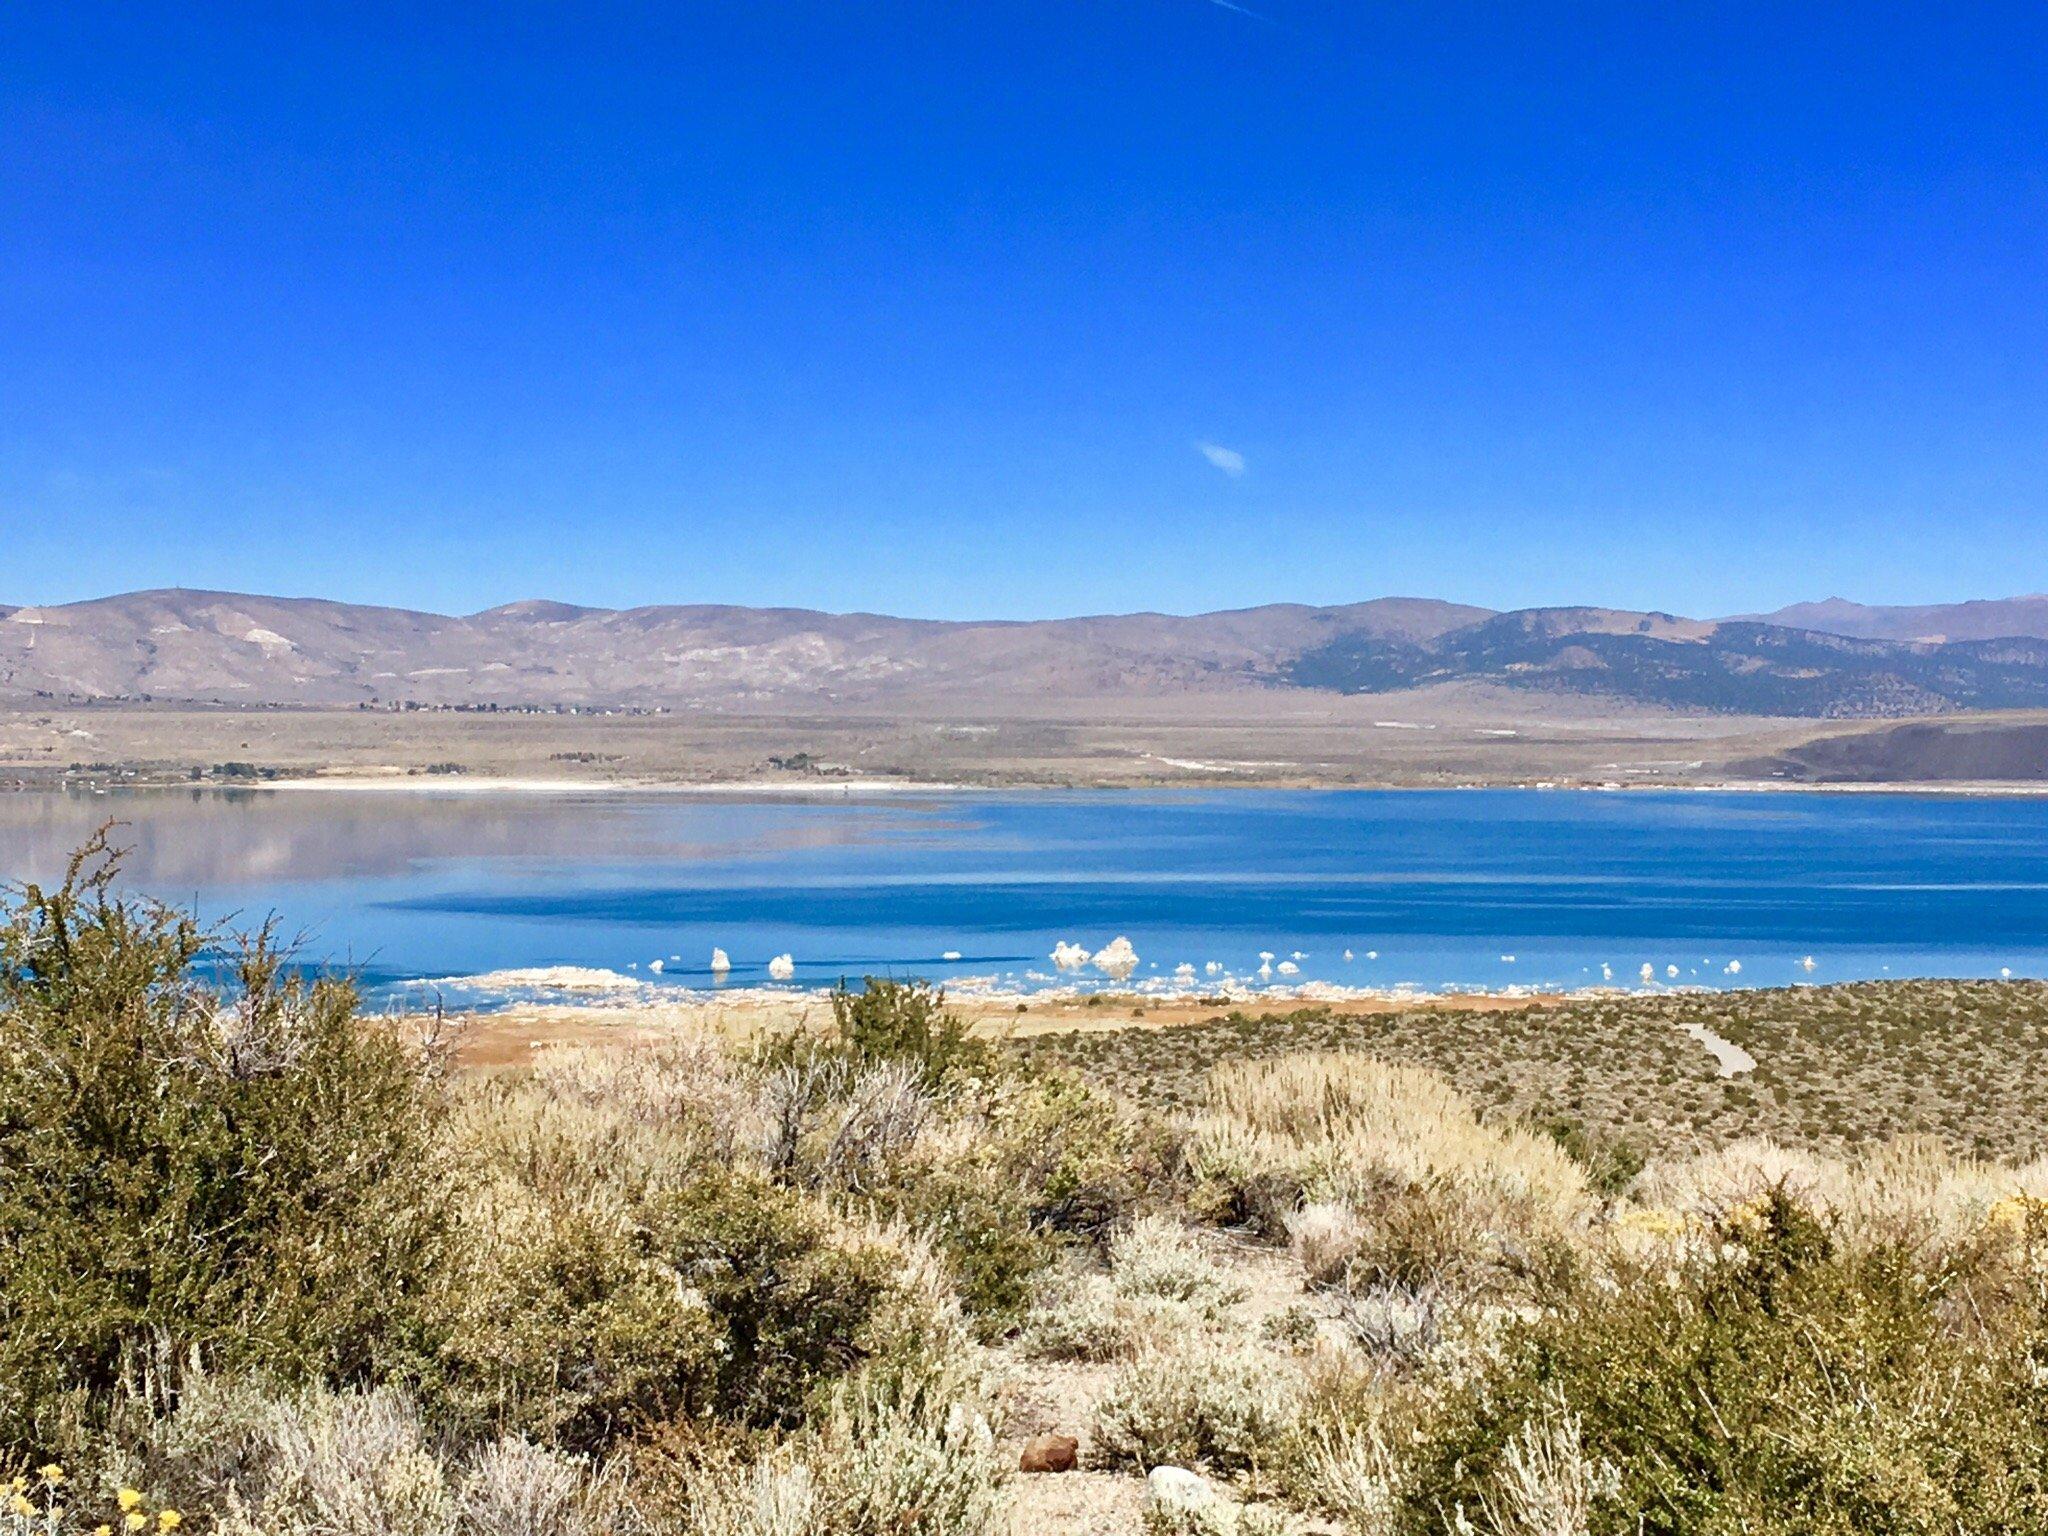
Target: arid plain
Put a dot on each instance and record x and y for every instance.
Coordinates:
(1431, 738)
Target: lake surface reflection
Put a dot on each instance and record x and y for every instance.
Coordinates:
(1452, 889)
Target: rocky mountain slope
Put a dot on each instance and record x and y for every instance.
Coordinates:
(235, 648)
(232, 648)
(1731, 667)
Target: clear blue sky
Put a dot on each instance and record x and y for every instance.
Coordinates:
(1026, 308)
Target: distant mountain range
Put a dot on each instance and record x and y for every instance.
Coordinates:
(1987, 619)
(1831, 659)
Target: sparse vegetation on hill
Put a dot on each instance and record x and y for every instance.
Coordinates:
(268, 1267)
(1838, 1067)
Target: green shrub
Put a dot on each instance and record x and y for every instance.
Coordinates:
(257, 1176)
(1049, 1162)
(890, 1021)
(793, 1298)
(1199, 1401)
(570, 1329)
(903, 1451)
(981, 1226)
(1087, 1162)
(1784, 1384)
(590, 1319)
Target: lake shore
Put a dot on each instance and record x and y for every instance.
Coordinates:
(509, 1037)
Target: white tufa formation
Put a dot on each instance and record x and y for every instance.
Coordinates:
(1116, 958)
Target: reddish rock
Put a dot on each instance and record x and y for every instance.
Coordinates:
(1049, 1453)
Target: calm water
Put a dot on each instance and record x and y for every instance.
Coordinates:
(1443, 886)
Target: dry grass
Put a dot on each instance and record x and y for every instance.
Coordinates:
(900, 1456)
(1380, 1172)
(1198, 1401)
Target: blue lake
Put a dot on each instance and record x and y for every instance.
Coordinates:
(1443, 887)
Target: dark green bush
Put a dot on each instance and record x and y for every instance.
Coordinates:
(1789, 1386)
(793, 1305)
(1055, 1163)
(886, 1023)
(257, 1177)
(906, 1021)
(569, 1331)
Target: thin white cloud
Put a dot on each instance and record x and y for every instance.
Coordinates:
(1242, 10)
(1229, 460)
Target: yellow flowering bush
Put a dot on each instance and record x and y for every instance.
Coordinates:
(38, 1506)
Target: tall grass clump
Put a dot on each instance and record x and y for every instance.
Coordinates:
(256, 1174)
(1384, 1174)
(903, 1451)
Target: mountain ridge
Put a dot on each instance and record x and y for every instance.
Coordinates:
(209, 646)
(1977, 619)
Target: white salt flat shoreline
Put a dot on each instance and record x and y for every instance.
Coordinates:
(464, 784)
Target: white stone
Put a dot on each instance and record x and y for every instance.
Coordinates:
(1176, 1488)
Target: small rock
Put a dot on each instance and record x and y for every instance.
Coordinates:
(1049, 1453)
(1176, 1488)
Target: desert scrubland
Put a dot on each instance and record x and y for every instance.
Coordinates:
(271, 1265)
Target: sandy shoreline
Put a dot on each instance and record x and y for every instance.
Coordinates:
(509, 1037)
